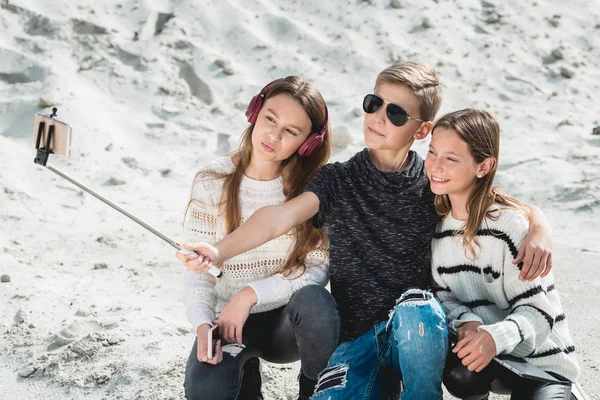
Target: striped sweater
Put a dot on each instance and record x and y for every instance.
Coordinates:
(525, 319)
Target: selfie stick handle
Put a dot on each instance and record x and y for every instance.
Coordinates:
(213, 270)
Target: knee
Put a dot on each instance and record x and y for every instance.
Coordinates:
(463, 383)
(314, 300)
(199, 389)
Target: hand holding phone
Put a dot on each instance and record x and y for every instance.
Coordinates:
(209, 344)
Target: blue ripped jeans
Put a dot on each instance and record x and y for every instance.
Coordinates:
(401, 358)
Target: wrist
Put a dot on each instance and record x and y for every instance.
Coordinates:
(248, 296)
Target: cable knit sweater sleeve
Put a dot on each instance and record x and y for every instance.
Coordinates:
(531, 315)
(277, 289)
(199, 296)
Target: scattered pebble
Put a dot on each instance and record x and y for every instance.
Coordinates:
(357, 112)
(165, 172)
(27, 371)
(4, 278)
(82, 313)
(221, 63)
(557, 54)
(596, 131)
(396, 4)
(100, 266)
(47, 101)
(486, 4)
(427, 23)
(112, 181)
(567, 73)
(554, 21)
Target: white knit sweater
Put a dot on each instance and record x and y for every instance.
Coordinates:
(205, 296)
(525, 319)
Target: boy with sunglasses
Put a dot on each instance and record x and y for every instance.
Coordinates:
(379, 213)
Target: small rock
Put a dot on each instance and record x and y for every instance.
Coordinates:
(228, 70)
(46, 101)
(100, 266)
(486, 4)
(114, 182)
(82, 313)
(109, 147)
(567, 73)
(27, 371)
(427, 23)
(165, 172)
(222, 63)
(554, 21)
(372, 2)
(4, 278)
(396, 4)
(494, 18)
(557, 54)
(596, 131)
(357, 112)
(19, 317)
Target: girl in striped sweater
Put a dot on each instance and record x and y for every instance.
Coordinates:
(492, 310)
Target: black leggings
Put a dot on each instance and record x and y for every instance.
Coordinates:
(307, 328)
(466, 384)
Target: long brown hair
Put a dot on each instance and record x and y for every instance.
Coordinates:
(296, 171)
(481, 132)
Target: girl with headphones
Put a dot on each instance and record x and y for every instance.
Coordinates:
(270, 302)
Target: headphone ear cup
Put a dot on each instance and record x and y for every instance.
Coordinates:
(254, 108)
(312, 143)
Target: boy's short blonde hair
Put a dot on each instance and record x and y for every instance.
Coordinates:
(422, 80)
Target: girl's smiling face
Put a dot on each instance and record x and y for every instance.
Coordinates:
(450, 165)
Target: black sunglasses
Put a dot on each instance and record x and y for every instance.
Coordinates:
(396, 114)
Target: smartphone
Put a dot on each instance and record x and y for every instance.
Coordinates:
(61, 137)
(212, 338)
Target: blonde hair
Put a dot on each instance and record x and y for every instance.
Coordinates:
(422, 80)
(481, 132)
(296, 171)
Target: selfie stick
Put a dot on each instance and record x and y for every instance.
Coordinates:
(42, 159)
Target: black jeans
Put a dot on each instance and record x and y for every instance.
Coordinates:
(307, 328)
(466, 384)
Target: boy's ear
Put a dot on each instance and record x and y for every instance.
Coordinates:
(423, 130)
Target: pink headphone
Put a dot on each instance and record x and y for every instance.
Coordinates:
(312, 142)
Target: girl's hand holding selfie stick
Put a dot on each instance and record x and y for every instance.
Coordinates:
(52, 136)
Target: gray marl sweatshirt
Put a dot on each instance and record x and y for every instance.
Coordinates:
(380, 226)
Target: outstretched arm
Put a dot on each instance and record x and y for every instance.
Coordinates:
(264, 225)
(536, 250)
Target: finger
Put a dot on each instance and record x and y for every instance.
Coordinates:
(459, 346)
(526, 264)
(520, 255)
(475, 364)
(472, 356)
(238, 335)
(219, 351)
(202, 350)
(189, 246)
(535, 266)
(180, 256)
(548, 266)
(482, 365)
(231, 333)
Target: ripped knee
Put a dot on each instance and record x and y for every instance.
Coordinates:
(332, 377)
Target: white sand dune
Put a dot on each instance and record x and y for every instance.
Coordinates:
(91, 310)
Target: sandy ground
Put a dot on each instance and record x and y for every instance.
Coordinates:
(154, 89)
